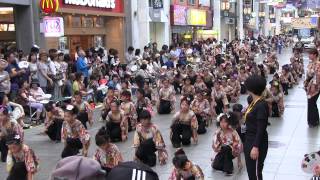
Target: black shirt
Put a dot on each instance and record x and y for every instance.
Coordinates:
(257, 121)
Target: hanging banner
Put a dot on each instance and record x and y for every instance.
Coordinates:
(53, 26)
(179, 15)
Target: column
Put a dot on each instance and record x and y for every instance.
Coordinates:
(240, 19)
(217, 18)
(256, 11)
(166, 32)
(24, 27)
(278, 18)
(143, 23)
(267, 20)
(133, 15)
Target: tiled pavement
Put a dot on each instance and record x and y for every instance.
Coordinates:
(289, 136)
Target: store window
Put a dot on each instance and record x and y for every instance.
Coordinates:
(99, 22)
(87, 22)
(7, 27)
(76, 22)
(182, 1)
(192, 2)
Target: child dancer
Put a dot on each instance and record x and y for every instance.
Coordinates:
(226, 143)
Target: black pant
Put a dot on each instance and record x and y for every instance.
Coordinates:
(72, 148)
(3, 149)
(275, 110)
(255, 167)
(201, 125)
(181, 133)
(114, 130)
(223, 160)
(148, 152)
(164, 107)
(177, 86)
(313, 113)
(83, 117)
(54, 130)
(285, 87)
(18, 171)
(219, 106)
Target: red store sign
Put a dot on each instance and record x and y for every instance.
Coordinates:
(115, 6)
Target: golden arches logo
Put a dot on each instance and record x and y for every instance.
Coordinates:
(49, 6)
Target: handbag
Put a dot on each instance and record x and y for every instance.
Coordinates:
(58, 76)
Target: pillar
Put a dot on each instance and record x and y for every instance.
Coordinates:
(256, 11)
(278, 19)
(267, 20)
(217, 18)
(240, 19)
(23, 18)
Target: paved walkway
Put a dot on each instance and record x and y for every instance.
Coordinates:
(289, 136)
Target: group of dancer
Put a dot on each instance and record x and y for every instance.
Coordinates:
(207, 92)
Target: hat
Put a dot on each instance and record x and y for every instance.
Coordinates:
(3, 64)
(78, 167)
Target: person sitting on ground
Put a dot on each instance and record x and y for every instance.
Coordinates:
(226, 143)
(15, 109)
(201, 107)
(85, 110)
(73, 134)
(127, 106)
(166, 103)
(7, 127)
(107, 154)
(22, 163)
(184, 168)
(148, 135)
(184, 125)
(116, 124)
(142, 103)
(54, 121)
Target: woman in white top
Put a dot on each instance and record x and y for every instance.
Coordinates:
(33, 67)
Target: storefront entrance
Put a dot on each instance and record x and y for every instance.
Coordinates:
(86, 42)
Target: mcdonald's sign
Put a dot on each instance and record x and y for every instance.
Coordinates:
(49, 6)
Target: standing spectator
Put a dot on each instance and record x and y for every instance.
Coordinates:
(43, 69)
(146, 52)
(4, 77)
(129, 55)
(15, 74)
(83, 67)
(33, 68)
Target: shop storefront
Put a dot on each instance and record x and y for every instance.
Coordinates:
(86, 24)
(186, 22)
(18, 18)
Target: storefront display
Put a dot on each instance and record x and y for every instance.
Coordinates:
(53, 26)
(197, 17)
(89, 24)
